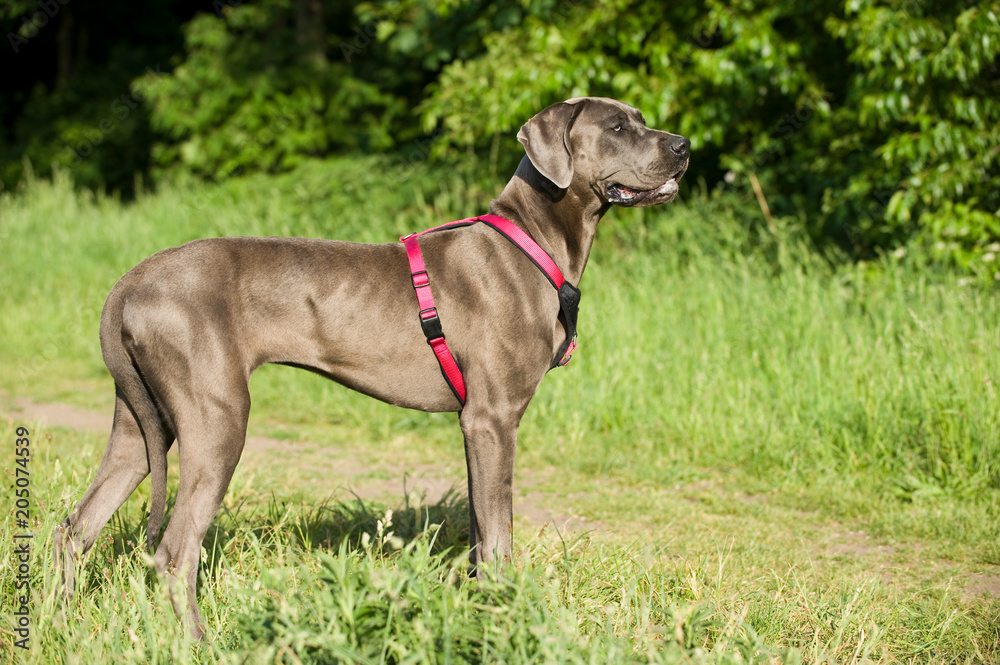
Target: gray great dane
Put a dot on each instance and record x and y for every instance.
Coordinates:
(182, 332)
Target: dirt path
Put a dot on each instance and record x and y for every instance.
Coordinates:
(355, 471)
(324, 469)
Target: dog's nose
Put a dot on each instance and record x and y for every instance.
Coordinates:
(680, 146)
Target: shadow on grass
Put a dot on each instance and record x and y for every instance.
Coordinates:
(299, 524)
(303, 525)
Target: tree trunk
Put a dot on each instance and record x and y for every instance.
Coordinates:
(71, 46)
(64, 47)
(310, 31)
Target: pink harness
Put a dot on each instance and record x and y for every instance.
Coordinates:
(569, 295)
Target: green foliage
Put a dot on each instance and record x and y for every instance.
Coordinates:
(415, 607)
(95, 128)
(875, 122)
(892, 367)
(730, 76)
(921, 125)
(251, 93)
(878, 120)
(72, 93)
(248, 95)
(386, 599)
(736, 402)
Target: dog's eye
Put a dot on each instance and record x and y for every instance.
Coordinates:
(618, 128)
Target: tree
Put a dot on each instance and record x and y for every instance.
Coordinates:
(66, 96)
(880, 120)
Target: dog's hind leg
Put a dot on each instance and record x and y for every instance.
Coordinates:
(122, 468)
(211, 433)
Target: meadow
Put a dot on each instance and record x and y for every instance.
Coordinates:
(782, 456)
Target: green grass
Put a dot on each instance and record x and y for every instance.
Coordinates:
(788, 458)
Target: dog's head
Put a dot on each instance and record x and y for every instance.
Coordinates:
(607, 145)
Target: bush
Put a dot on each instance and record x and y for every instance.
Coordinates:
(879, 120)
(876, 123)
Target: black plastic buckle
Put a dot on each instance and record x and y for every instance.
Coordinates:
(413, 279)
(431, 325)
(569, 300)
(569, 309)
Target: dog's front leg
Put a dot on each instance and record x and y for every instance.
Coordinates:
(490, 441)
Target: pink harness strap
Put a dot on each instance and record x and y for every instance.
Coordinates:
(430, 323)
(429, 320)
(538, 255)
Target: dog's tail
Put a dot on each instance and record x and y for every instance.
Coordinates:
(133, 390)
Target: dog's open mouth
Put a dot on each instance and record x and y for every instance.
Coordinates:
(621, 195)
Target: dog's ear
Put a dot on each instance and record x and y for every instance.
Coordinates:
(546, 141)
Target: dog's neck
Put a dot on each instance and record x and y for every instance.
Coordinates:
(562, 221)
